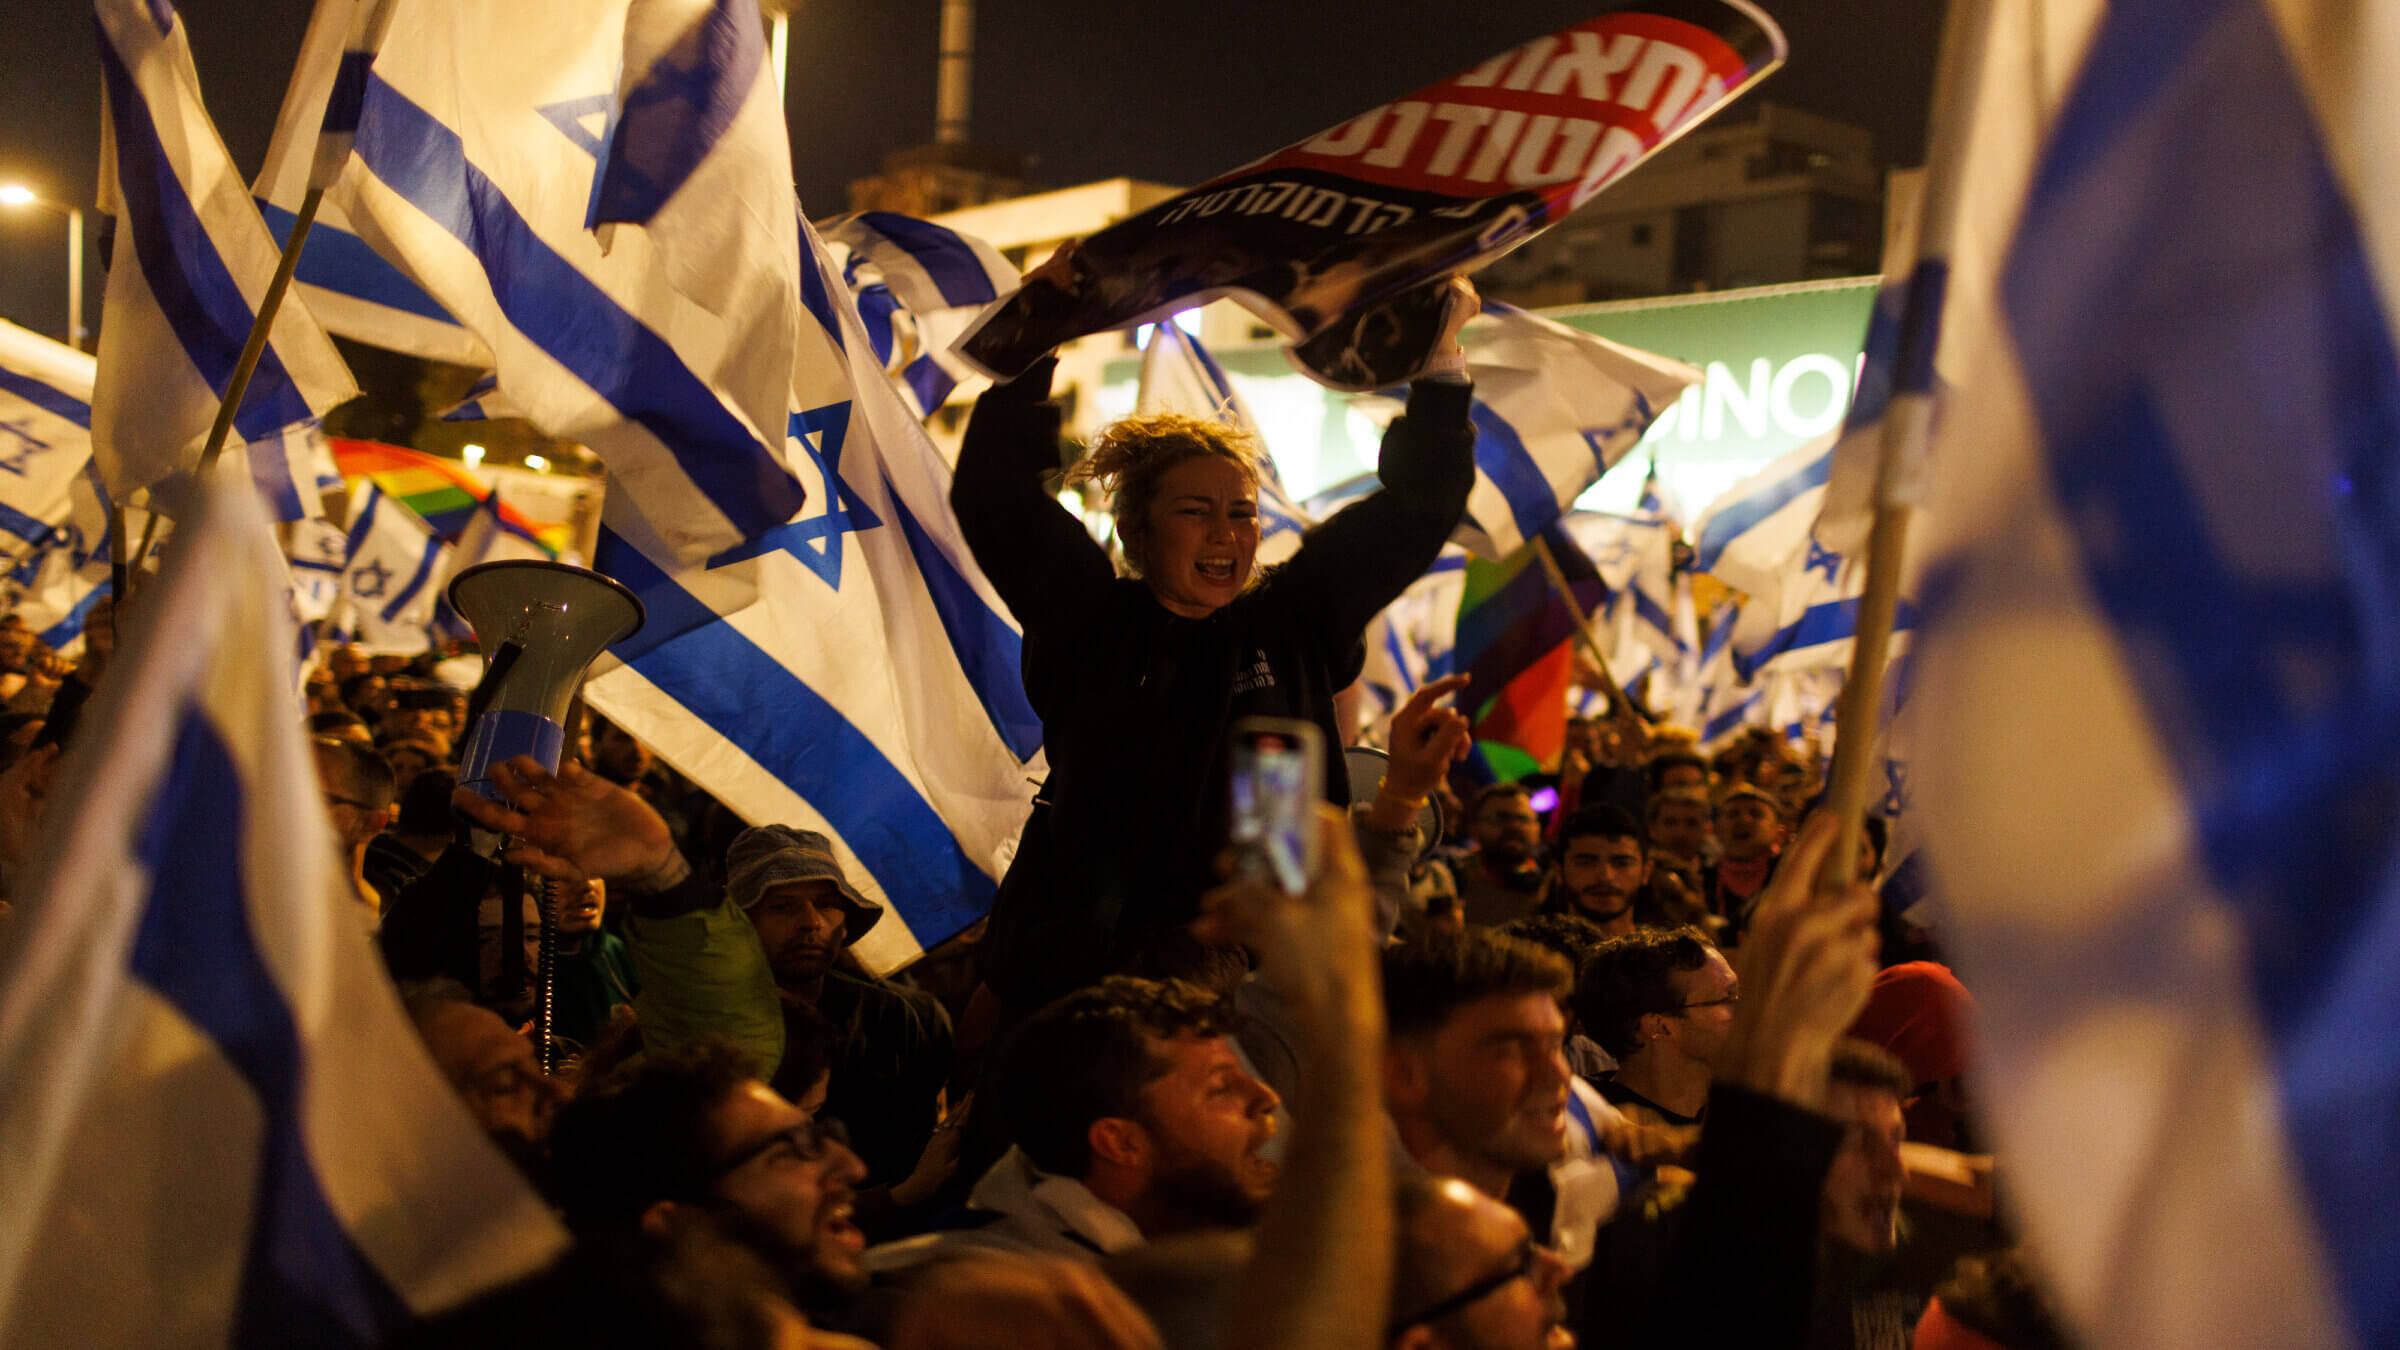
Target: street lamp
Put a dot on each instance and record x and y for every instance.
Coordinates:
(17, 194)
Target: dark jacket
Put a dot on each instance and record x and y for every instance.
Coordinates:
(1136, 702)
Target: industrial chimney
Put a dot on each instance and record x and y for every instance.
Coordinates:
(957, 72)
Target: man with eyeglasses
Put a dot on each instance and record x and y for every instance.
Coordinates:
(1663, 1003)
(1469, 1275)
(692, 1141)
(358, 787)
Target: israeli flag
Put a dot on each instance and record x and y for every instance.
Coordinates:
(190, 263)
(1555, 407)
(1178, 375)
(487, 537)
(604, 201)
(918, 286)
(1896, 361)
(45, 434)
(2158, 760)
(848, 670)
(1415, 638)
(393, 570)
(216, 1125)
(342, 280)
(54, 512)
(1720, 701)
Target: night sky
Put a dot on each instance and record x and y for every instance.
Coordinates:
(1093, 89)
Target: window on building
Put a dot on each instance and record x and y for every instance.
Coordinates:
(1641, 235)
(1844, 224)
(1690, 264)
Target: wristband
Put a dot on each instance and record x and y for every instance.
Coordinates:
(665, 877)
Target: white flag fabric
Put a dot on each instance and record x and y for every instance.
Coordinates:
(45, 434)
(216, 1125)
(2158, 740)
(1415, 638)
(492, 137)
(190, 263)
(350, 289)
(1555, 407)
(393, 570)
(1803, 597)
(918, 287)
(849, 670)
(1178, 375)
(53, 510)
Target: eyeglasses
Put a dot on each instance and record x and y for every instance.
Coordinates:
(1527, 1257)
(1726, 1002)
(807, 1142)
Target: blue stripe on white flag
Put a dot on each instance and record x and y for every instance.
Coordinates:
(339, 261)
(991, 653)
(723, 679)
(1732, 521)
(57, 403)
(1830, 621)
(303, 1282)
(426, 562)
(181, 266)
(572, 320)
(940, 253)
(25, 527)
(71, 627)
(1501, 457)
(2172, 508)
(667, 123)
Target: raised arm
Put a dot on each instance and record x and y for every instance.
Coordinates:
(701, 967)
(1037, 555)
(1360, 560)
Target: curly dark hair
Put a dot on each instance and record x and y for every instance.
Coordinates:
(1130, 455)
(1435, 974)
(1626, 978)
(1088, 1056)
(644, 1133)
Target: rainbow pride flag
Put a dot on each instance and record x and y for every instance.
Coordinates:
(1516, 643)
(440, 490)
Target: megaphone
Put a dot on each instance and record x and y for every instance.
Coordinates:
(540, 625)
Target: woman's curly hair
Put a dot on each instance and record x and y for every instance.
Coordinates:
(1129, 456)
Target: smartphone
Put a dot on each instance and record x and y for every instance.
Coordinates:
(1278, 779)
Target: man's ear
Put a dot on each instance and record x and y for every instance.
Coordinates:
(662, 1219)
(1407, 1079)
(1653, 1026)
(1118, 1141)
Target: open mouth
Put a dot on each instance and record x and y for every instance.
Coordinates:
(1215, 569)
(840, 1228)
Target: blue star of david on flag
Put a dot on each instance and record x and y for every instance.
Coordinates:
(371, 581)
(1822, 559)
(568, 116)
(816, 540)
(1895, 788)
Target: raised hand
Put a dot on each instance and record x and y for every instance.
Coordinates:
(571, 825)
(1806, 968)
(1427, 737)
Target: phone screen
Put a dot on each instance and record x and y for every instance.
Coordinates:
(1274, 796)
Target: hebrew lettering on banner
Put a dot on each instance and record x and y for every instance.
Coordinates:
(1334, 240)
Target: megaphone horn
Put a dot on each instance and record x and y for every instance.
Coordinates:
(540, 625)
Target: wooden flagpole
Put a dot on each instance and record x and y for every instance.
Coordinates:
(1583, 624)
(261, 327)
(1907, 424)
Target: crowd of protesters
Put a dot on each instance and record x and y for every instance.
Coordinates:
(1604, 1064)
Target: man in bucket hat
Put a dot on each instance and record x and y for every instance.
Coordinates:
(892, 1048)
